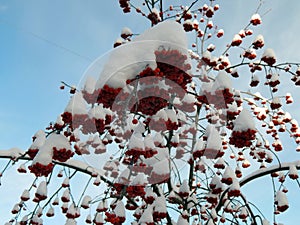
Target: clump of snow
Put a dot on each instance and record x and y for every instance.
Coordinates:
(126, 32)
(11, 153)
(214, 140)
(57, 140)
(44, 155)
(86, 201)
(160, 204)
(140, 179)
(42, 189)
(120, 209)
(184, 187)
(147, 217)
(222, 81)
(77, 105)
(162, 167)
(99, 112)
(89, 85)
(182, 221)
(244, 121)
(199, 145)
(136, 142)
(256, 19)
(128, 60)
(161, 114)
(282, 201)
(171, 114)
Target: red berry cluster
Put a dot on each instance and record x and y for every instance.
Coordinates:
(62, 155)
(158, 216)
(172, 64)
(41, 170)
(32, 153)
(125, 5)
(154, 18)
(150, 105)
(269, 60)
(135, 190)
(259, 43)
(107, 95)
(74, 121)
(241, 139)
(234, 193)
(296, 78)
(114, 219)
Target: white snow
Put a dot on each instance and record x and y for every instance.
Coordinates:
(236, 37)
(38, 142)
(140, 179)
(149, 142)
(276, 100)
(222, 81)
(259, 38)
(126, 31)
(269, 53)
(281, 198)
(66, 194)
(235, 185)
(147, 217)
(161, 114)
(256, 16)
(293, 170)
(77, 105)
(171, 114)
(120, 209)
(86, 201)
(25, 194)
(184, 187)
(162, 167)
(160, 204)
(206, 55)
(214, 140)
(44, 155)
(189, 98)
(89, 85)
(58, 140)
(11, 153)
(99, 112)
(99, 218)
(199, 145)
(182, 221)
(265, 222)
(244, 121)
(42, 189)
(59, 120)
(228, 173)
(136, 142)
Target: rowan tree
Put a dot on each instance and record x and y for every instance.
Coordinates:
(168, 130)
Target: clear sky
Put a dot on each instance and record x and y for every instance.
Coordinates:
(43, 42)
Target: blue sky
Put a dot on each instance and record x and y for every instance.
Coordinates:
(44, 42)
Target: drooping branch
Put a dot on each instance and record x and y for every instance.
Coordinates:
(16, 154)
(260, 173)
